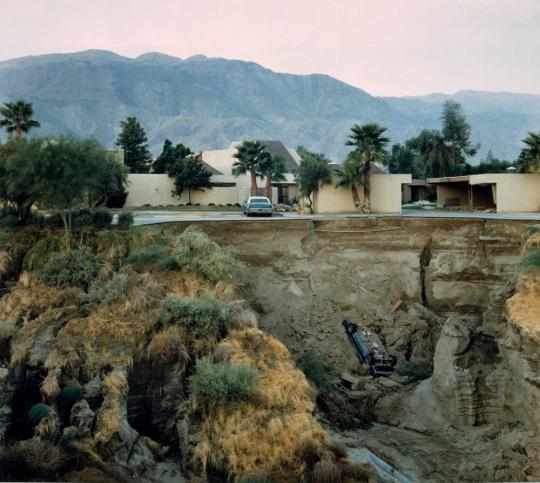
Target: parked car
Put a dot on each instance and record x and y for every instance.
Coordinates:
(258, 205)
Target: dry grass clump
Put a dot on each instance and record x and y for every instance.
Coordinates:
(274, 436)
(168, 345)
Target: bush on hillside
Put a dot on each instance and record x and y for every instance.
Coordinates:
(222, 385)
(38, 255)
(108, 291)
(146, 257)
(125, 220)
(101, 218)
(75, 267)
(531, 260)
(37, 412)
(200, 317)
(415, 371)
(317, 370)
(196, 253)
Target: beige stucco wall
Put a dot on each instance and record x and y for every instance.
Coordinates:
(449, 190)
(385, 195)
(515, 193)
(156, 190)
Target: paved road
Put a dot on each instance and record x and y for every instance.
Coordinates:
(153, 217)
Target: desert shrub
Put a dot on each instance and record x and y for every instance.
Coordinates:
(196, 253)
(32, 460)
(200, 317)
(125, 220)
(222, 385)
(37, 412)
(38, 255)
(317, 370)
(415, 371)
(530, 261)
(108, 291)
(147, 256)
(75, 267)
(101, 218)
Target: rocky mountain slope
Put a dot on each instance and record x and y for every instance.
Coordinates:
(209, 102)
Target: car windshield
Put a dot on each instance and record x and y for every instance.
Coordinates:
(258, 200)
(257, 204)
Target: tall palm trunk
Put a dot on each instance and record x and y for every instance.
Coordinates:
(366, 206)
(253, 183)
(268, 188)
(355, 195)
(18, 130)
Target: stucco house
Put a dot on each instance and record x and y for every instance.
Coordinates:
(156, 189)
(385, 193)
(505, 192)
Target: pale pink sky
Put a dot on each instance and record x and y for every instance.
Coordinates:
(387, 47)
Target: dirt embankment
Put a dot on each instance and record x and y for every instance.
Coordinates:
(306, 276)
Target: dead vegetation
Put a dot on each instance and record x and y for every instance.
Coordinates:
(140, 297)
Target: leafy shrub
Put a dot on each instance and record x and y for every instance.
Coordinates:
(116, 200)
(317, 370)
(200, 317)
(75, 267)
(38, 255)
(125, 220)
(101, 218)
(146, 256)
(198, 254)
(8, 220)
(415, 371)
(222, 385)
(37, 412)
(109, 291)
(531, 260)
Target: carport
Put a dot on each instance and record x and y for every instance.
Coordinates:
(452, 192)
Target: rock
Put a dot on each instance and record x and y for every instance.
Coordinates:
(295, 289)
(82, 417)
(388, 383)
(93, 388)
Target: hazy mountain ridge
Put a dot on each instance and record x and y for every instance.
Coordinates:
(209, 102)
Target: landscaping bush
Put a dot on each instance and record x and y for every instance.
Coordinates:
(200, 317)
(155, 254)
(108, 291)
(222, 385)
(196, 253)
(37, 412)
(125, 220)
(317, 370)
(75, 267)
(101, 218)
(116, 200)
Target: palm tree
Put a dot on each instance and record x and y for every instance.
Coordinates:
(433, 153)
(529, 157)
(251, 157)
(369, 144)
(18, 117)
(274, 170)
(350, 176)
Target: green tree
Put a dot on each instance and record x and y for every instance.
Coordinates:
(251, 157)
(22, 176)
(312, 171)
(273, 169)
(169, 155)
(369, 147)
(133, 140)
(432, 153)
(18, 117)
(189, 173)
(112, 179)
(73, 172)
(403, 160)
(529, 158)
(456, 132)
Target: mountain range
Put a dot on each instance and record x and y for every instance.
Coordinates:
(210, 102)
